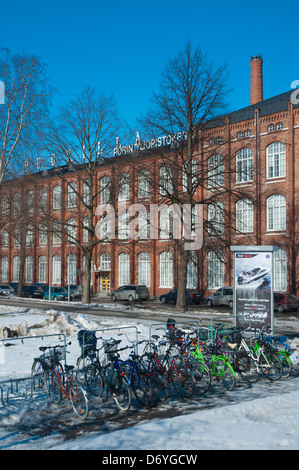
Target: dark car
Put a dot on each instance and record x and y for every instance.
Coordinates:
(284, 301)
(33, 292)
(42, 285)
(192, 297)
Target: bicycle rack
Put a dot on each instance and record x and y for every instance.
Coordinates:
(161, 326)
(20, 387)
(104, 330)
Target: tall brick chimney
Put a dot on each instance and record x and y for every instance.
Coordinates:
(256, 79)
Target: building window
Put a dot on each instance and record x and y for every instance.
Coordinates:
(105, 189)
(166, 269)
(271, 128)
(72, 269)
(248, 133)
(124, 187)
(166, 183)
(57, 198)
(56, 269)
(42, 269)
(215, 269)
(5, 238)
(123, 269)
(194, 182)
(280, 270)
(17, 204)
(144, 269)
(56, 233)
(29, 235)
(5, 269)
(71, 194)
(166, 223)
(144, 187)
(72, 230)
(244, 165)
(30, 201)
(123, 226)
(5, 206)
(279, 126)
(15, 269)
(240, 135)
(29, 269)
(244, 216)
(105, 262)
(276, 164)
(192, 269)
(215, 171)
(144, 225)
(215, 218)
(43, 199)
(43, 234)
(276, 212)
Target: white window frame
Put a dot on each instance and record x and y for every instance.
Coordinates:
(166, 183)
(244, 216)
(29, 270)
(215, 269)
(15, 268)
(123, 269)
(72, 194)
(42, 268)
(105, 189)
(166, 269)
(144, 269)
(144, 187)
(105, 262)
(280, 270)
(56, 272)
(192, 271)
(4, 268)
(215, 171)
(57, 197)
(72, 266)
(244, 165)
(276, 160)
(215, 218)
(276, 213)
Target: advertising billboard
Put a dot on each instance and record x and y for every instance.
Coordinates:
(253, 286)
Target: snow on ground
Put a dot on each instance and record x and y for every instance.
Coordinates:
(266, 422)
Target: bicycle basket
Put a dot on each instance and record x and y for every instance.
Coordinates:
(87, 339)
(56, 355)
(110, 346)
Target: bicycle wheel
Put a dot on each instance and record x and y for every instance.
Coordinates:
(52, 386)
(247, 368)
(94, 380)
(159, 384)
(286, 362)
(182, 379)
(202, 376)
(224, 373)
(142, 388)
(78, 398)
(270, 365)
(37, 375)
(121, 393)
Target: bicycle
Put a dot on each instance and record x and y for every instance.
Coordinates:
(59, 384)
(45, 362)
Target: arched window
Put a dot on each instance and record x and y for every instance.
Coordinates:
(215, 269)
(276, 160)
(5, 238)
(166, 269)
(105, 189)
(72, 269)
(280, 270)
(144, 269)
(72, 194)
(56, 269)
(166, 180)
(124, 187)
(15, 269)
(123, 269)
(57, 197)
(215, 171)
(215, 218)
(144, 187)
(17, 204)
(271, 128)
(105, 262)
(244, 165)
(244, 216)
(5, 206)
(276, 212)
(29, 269)
(192, 269)
(42, 269)
(72, 230)
(43, 199)
(4, 269)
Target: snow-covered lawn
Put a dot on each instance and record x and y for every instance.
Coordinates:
(264, 417)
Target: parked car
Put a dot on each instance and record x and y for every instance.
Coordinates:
(13, 285)
(192, 297)
(6, 290)
(130, 292)
(57, 293)
(42, 285)
(33, 292)
(284, 301)
(75, 290)
(222, 296)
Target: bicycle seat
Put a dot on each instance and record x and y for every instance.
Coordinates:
(67, 368)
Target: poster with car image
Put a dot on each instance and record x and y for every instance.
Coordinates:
(253, 289)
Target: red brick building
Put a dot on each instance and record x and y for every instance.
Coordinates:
(251, 151)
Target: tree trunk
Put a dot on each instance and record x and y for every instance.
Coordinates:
(87, 278)
(181, 304)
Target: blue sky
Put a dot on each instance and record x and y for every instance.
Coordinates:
(120, 47)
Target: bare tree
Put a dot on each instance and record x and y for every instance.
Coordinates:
(192, 93)
(79, 143)
(24, 113)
